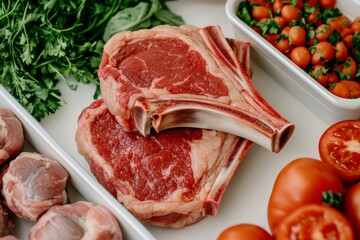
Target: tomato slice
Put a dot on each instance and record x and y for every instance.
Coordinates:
(315, 221)
(339, 147)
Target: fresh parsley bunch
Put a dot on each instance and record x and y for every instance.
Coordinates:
(43, 42)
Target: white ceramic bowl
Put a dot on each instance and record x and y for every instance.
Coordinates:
(322, 102)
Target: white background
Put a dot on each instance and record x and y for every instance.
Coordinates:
(245, 200)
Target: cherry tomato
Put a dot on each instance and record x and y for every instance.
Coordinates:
(318, 73)
(355, 26)
(285, 31)
(280, 21)
(333, 78)
(272, 38)
(341, 51)
(315, 221)
(339, 148)
(260, 12)
(300, 56)
(245, 232)
(300, 182)
(348, 41)
(297, 36)
(345, 21)
(290, 13)
(323, 32)
(323, 53)
(340, 89)
(352, 207)
(313, 17)
(348, 68)
(277, 5)
(312, 3)
(327, 3)
(284, 46)
(257, 29)
(336, 24)
(354, 88)
(346, 32)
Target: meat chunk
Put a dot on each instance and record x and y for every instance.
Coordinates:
(9, 237)
(80, 220)
(33, 183)
(168, 77)
(11, 135)
(172, 178)
(6, 222)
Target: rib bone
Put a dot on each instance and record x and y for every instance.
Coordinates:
(141, 104)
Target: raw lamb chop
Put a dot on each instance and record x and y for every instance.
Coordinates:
(172, 178)
(185, 76)
(11, 135)
(33, 183)
(80, 220)
(6, 222)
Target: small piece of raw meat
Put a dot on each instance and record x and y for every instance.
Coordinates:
(80, 220)
(33, 183)
(173, 178)
(11, 135)
(168, 77)
(6, 222)
(9, 237)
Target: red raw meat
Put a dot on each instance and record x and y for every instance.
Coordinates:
(33, 183)
(11, 135)
(168, 77)
(172, 178)
(79, 220)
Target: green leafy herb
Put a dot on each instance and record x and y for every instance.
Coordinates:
(46, 41)
(356, 46)
(268, 26)
(332, 199)
(244, 13)
(329, 14)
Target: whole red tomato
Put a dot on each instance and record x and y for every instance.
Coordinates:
(352, 207)
(339, 148)
(245, 231)
(300, 182)
(314, 221)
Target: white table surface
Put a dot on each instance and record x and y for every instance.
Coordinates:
(245, 199)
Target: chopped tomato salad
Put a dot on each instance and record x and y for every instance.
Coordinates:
(331, 38)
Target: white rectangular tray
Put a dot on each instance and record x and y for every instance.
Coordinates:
(81, 179)
(323, 103)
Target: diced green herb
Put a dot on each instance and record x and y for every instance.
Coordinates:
(268, 26)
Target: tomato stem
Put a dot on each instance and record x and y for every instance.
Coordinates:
(332, 199)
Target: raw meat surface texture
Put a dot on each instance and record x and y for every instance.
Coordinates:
(77, 221)
(7, 226)
(168, 77)
(172, 178)
(32, 184)
(11, 135)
